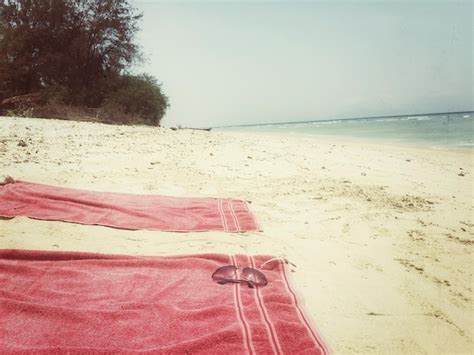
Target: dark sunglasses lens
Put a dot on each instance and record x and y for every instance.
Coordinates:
(225, 274)
(228, 273)
(254, 277)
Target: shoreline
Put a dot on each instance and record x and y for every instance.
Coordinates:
(350, 119)
(380, 237)
(421, 145)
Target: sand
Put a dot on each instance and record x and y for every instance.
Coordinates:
(379, 237)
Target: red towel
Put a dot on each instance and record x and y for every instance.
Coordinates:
(57, 302)
(127, 211)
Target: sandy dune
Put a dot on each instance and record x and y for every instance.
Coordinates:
(379, 237)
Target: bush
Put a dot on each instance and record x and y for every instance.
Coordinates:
(138, 96)
(120, 100)
(74, 55)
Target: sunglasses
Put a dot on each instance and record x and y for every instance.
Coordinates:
(231, 274)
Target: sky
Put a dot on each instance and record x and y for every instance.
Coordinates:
(225, 63)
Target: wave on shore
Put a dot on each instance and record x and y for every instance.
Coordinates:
(444, 129)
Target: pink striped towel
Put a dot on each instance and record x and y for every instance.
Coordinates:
(77, 303)
(126, 211)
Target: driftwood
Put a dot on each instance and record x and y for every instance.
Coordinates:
(195, 129)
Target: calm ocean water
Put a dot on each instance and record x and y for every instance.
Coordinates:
(453, 129)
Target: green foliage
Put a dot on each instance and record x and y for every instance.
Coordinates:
(77, 51)
(28, 112)
(140, 95)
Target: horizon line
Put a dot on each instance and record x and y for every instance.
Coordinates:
(342, 119)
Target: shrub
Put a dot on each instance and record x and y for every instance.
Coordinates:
(136, 96)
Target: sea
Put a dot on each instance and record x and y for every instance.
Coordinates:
(436, 130)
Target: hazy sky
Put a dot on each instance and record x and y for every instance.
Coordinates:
(242, 62)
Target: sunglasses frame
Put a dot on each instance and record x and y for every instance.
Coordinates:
(236, 278)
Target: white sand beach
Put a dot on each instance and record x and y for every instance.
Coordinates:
(379, 237)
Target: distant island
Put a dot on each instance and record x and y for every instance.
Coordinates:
(73, 62)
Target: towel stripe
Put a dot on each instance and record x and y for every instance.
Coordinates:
(238, 308)
(263, 314)
(232, 211)
(242, 312)
(232, 216)
(221, 212)
(319, 343)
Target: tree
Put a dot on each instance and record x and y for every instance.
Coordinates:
(84, 46)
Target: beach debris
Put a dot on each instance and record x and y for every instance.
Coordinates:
(420, 221)
(363, 174)
(22, 143)
(416, 235)
(460, 240)
(8, 180)
(347, 182)
(211, 154)
(195, 129)
(375, 314)
(323, 167)
(249, 157)
(439, 282)
(461, 174)
(409, 265)
(408, 160)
